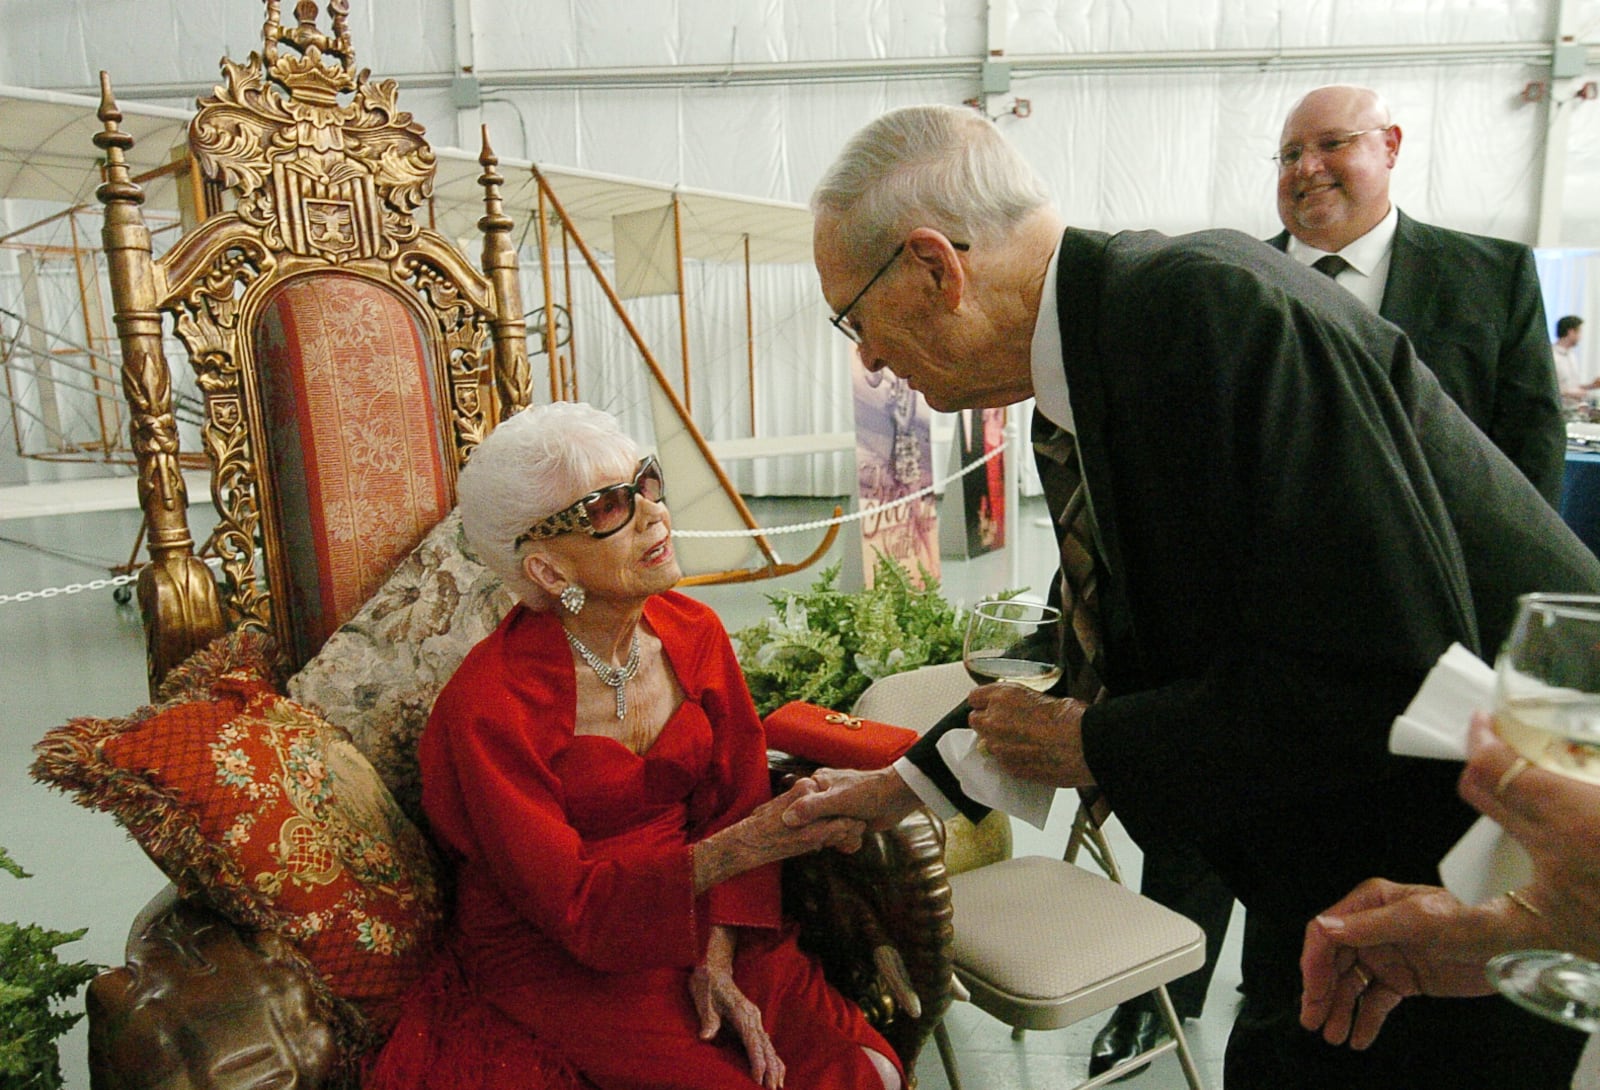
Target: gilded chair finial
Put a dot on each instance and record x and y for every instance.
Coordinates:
(500, 263)
(494, 218)
(118, 184)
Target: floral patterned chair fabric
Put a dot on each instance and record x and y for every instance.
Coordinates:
(353, 427)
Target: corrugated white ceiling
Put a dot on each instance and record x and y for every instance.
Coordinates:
(1126, 134)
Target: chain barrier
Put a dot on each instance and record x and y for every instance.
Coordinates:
(111, 582)
(818, 524)
(70, 588)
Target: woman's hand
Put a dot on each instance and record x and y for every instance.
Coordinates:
(763, 837)
(1384, 942)
(1557, 819)
(717, 999)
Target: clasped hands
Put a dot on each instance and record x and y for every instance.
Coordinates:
(1032, 737)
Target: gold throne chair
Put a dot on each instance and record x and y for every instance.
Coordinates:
(351, 359)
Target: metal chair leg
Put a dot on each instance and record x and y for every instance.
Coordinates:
(947, 1055)
(1175, 1024)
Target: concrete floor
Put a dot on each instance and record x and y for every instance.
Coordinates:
(83, 654)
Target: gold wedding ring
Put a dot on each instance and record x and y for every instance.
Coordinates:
(1362, 975)
(1516, 898)
(1515, 769)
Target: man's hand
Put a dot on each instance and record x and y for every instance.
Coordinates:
(1033, 736)
(879, 798)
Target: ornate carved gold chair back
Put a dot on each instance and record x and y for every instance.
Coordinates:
(350, 356)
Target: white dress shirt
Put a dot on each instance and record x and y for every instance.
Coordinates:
(1368, 258)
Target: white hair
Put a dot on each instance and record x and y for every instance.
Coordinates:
(535, 464)
(945, 167)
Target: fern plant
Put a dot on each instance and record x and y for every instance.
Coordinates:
(825, 646)
(33, 982)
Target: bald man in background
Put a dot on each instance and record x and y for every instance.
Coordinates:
(1472, 309)
(1470, 304)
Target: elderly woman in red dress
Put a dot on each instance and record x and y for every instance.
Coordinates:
(596, 772)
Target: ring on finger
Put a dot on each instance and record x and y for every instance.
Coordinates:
(1513, 770)
(1363, 976)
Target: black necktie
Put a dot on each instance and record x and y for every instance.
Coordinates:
(1330, 266)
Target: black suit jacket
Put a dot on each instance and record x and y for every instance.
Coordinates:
(1472, 308)
(1295, 529)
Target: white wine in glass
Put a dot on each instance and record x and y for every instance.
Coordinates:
(1013, 640)
(1547, 708)
(1547, 684)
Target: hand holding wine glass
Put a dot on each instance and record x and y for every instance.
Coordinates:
(1547, 709)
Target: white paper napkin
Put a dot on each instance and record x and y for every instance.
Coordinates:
(984, 781)
(1486, 862)
(1435, 724)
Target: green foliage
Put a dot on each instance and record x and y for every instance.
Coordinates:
(826, 646)
(32, 981)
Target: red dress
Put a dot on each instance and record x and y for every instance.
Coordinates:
(575, 920)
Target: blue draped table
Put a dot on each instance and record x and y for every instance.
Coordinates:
(1580, 496)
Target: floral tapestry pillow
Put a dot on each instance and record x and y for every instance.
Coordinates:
(272, 816)
(377, 676)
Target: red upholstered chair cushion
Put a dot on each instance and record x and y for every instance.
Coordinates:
(357, 447)
(270, 815)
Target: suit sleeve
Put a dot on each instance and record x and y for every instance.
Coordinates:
(1527, 422)
(1291, 568)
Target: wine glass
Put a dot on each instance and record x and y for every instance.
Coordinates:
(1009, 639)
(1547, 708)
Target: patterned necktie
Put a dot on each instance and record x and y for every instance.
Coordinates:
(1081, 645)
(1330, 266)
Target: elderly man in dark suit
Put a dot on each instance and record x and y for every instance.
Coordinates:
(1472, 310)
(1275, 567)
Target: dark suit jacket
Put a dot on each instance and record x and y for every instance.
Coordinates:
(1472, 308)
(1295, 529)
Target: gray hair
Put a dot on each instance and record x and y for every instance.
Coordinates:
(945, 166)
(531, 466)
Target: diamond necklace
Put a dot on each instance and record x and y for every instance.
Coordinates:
(616, 677)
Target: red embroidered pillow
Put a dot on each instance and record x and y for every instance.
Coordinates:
(273, 817)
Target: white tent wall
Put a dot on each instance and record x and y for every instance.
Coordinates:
(634, 88)
(1161, 115)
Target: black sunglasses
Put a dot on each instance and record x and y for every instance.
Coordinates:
(604, 511)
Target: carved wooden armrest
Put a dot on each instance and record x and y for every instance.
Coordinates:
(892, 893)
(201, 1005)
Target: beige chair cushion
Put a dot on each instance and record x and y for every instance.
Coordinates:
(917, 698)
(1091, 942)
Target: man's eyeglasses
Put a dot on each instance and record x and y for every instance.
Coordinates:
(842, 322)
(1291, 154)
(604, 511)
